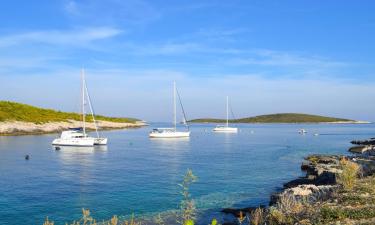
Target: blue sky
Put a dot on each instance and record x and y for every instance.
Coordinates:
(268, 56)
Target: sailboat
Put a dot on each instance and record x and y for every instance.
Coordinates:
(226, 128)
(171, 132)
(78, 136)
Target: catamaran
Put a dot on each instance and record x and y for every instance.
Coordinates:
(172, 132)
(226, 128)
(78, 136)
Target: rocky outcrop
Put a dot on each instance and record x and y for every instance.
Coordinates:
(310, 192)
(319, 186)
(320, 170)
(370, 141)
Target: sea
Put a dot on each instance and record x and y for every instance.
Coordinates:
(135, 176)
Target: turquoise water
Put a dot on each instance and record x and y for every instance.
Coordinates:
(135, 174)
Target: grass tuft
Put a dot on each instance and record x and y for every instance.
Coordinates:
(350, 171)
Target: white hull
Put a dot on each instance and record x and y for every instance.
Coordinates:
(176, 134)
(100, 141)
(226, 129)
(74, 142)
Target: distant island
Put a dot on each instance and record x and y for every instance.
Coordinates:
(17, 118)
(281, 118)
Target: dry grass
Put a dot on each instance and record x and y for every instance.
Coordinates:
(350, 171)
(288, 204)
(47, 222)
(257, 216)
(87, 219)
(275, 216)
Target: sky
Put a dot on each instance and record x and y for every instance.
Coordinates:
(268, 56)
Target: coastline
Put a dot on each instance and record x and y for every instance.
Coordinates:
(350, 122)
(337, 122)
(15, 128)
(321, 196)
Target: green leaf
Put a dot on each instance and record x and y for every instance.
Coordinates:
(189, 222)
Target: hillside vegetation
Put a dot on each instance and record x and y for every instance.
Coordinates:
(12, 111)
(278, 118)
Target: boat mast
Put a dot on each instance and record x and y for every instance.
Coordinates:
(227, 111)
(92, 111)
(83, 102)
(174, 106)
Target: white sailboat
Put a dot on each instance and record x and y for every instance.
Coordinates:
(171, 132)
(78, 136)
(226, 128)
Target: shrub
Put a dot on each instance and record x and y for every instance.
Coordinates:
(288, 204)
(275, 216)
(348, 177)
(257, 216)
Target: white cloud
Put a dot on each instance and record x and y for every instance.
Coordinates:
(111, 12)
(71, 7)
(147, 94)
(60, 37)
(278, 58)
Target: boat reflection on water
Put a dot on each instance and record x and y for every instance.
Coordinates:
(171, 143)
(172, 152)
(79, 155)
(80, 149)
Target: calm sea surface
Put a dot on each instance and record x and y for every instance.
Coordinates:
(135, 174)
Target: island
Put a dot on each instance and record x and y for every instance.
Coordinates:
(20, 119)
(281, 118)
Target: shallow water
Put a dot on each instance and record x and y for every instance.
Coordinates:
(135, 174)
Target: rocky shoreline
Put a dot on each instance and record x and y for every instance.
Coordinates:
(319, 195)
(10, 128)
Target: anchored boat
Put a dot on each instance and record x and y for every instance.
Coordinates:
(226, 128)
(78, 136)
(172, 132)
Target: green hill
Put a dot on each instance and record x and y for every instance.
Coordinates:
(278, 118)
(12, 111)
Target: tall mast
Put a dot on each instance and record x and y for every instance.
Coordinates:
(174, 106)
(83, 102)
(91, 110)
(227, 111)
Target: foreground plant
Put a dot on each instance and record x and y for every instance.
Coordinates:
(47, 222)
(187, 205)
(86, 219)
(350, 171)
(186, 217)
(257, 216)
